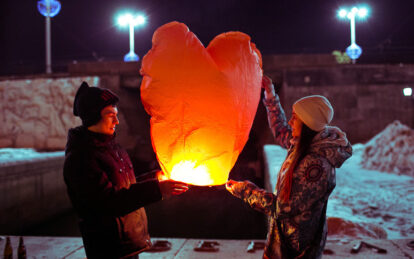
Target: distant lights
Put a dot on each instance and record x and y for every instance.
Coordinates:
(342, 13)
(129, 19)
(360, 12)
(408, 91)
(363, 12)
(140, 20)
(123, 20)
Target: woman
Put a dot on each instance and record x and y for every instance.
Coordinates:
(297, 209)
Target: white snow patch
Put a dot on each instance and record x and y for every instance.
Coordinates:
(9, 156)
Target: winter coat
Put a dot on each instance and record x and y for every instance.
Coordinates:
(297, 228)
(102, 188)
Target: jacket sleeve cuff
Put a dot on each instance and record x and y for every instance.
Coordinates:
(148, 189)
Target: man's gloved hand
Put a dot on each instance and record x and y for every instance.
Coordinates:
(170, 187)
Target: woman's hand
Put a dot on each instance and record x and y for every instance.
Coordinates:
(235, 187)
(170, 187)
(229, 185)
(268, 86)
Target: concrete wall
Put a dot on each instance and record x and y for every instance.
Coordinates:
(31, 191)
(297, 60)
(37, 112)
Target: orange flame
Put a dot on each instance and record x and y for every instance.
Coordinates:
(189, 172)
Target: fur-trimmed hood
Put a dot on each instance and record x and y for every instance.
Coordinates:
(332, 144)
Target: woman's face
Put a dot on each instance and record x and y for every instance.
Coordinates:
(296, 125)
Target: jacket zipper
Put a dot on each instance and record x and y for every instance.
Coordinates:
(123, 172)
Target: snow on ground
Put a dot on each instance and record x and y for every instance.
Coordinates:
(20, 155)
(369, 196)
(376, 184)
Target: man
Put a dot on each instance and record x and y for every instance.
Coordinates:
(101, 182)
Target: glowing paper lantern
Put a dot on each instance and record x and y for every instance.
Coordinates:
(202, 101)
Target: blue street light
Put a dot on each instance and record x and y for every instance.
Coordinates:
(49, 9)
(353, 51)
(131, 21)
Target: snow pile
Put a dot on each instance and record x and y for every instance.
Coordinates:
(20, 155)
(392, 150)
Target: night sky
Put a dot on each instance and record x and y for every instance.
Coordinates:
(86, 30)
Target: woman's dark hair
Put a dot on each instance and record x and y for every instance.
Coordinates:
(299, 152)
(305, 140)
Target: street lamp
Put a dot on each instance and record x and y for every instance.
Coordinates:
(132, 21)
(353, 51)
(49, 9)
(408, 91)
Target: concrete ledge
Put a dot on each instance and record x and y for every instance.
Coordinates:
(65, 247)
(272, 62)
(205, 212)
(107, 67)
(31, 192)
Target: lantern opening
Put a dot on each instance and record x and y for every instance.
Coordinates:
(190, 172)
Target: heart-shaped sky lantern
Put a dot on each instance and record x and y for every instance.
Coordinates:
(202, 101)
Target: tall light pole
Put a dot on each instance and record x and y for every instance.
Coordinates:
(132, 21)
(353, 50)
(49, 9)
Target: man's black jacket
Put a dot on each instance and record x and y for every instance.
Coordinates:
(102, 187)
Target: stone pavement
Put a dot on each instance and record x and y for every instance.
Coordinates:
(71, 247)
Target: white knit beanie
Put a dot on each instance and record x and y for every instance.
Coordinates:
(315, 111)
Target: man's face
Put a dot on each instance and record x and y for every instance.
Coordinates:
(108, 122)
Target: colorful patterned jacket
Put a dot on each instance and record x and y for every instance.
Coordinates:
(297, 228)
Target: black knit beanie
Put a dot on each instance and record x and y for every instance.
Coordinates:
(89, 102)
